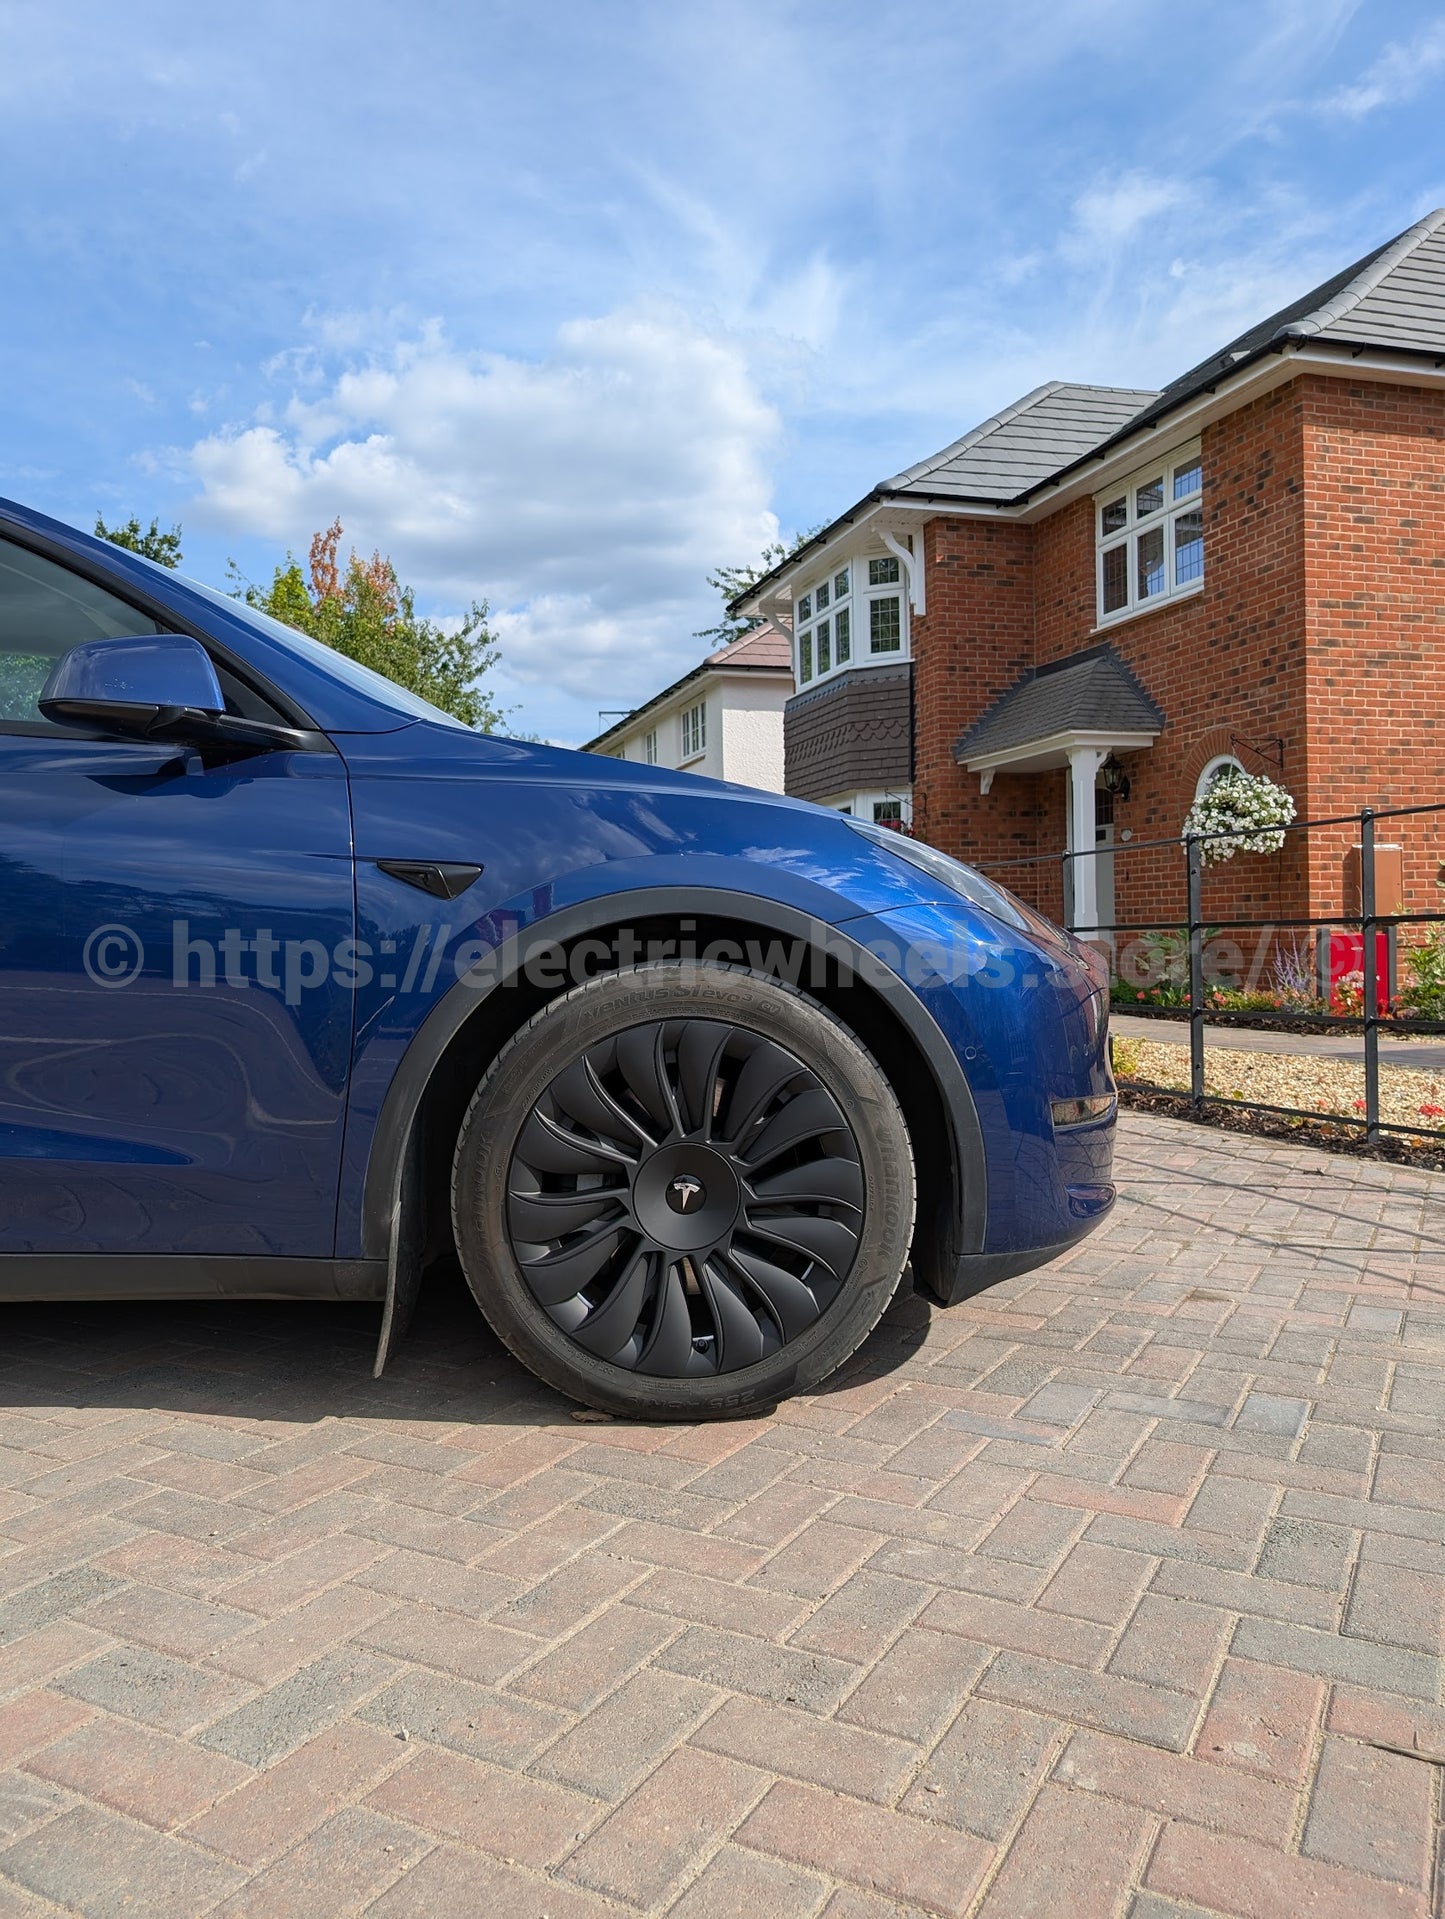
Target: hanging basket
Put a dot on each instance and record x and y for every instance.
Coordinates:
(1240, 813)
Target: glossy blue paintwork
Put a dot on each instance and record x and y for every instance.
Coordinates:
(228, 1119)
(156, 669)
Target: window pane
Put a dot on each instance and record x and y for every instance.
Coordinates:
(1114, 517)
(820, 598)
(840, 584)
(883, 572)
(822, 640)
(1187, 480)
(1151, 563)
(45, 610)
(888, 812)
(885, 625)
(1116, 578)
(843, 635)
(805, 607)
(805, 658)
(1188, 546)
(1149, 497)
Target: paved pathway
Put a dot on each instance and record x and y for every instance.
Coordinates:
(1117, 1591)
(1423, 1052)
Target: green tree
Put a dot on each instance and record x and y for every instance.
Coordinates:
(363, 611)
(728, 582)
(149, 542)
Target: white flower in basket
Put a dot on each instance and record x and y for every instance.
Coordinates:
(1242, 813)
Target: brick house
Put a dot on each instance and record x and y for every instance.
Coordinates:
(1054, 632)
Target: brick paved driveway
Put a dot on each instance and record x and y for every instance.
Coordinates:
(1118, 1591)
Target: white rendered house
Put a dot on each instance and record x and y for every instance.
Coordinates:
(724, 718)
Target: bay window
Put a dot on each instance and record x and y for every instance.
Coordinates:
(859, 603)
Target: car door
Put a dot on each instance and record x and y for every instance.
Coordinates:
(175, 1027)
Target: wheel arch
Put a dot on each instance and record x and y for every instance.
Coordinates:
(408, 1165)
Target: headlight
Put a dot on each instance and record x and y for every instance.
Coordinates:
(953, 874)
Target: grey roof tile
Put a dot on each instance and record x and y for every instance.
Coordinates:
(1025, 443)
(1091, 692)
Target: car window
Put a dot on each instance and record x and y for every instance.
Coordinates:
(46, 609)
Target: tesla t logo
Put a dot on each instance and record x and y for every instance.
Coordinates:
(685, 1195)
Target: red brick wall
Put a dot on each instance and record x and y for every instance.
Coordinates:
(1375, 576)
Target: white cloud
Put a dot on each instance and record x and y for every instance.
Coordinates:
(1397, 74)
(1111, 211)
(586, 494)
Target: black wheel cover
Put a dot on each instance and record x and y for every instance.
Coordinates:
(685, 1198)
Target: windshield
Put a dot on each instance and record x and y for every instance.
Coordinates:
(326, 659)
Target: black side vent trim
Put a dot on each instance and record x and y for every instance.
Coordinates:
(443, 879)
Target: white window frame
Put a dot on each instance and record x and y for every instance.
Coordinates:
(692, 731)
(1171, 471)
(863, 806)
(857, 602)
(1212, 770)
(649, 747)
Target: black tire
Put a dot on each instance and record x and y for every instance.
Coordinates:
(636, 1293)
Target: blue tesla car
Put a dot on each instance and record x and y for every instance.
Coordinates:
(303, 985)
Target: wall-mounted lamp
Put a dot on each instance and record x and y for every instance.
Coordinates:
(1114, 779)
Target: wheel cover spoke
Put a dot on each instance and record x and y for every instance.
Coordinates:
(685, 1198)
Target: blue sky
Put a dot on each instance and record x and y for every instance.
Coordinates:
(561, 306)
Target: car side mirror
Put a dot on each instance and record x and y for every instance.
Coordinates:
(155, 686)
(129, 686)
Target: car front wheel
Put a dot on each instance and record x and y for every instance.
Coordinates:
(683, 1191)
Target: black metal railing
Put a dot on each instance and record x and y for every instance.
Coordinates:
(1197, 930)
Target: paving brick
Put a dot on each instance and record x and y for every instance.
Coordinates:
(1179, 1788)
(94, 1863)
(997, 1622)
(890, 1853)
(670, 1822)
(985, 1769)
(280, 1806)
(470, 1719)
(627, 1734)
(1235, 1876)
(735, 1882)
(1073, 1854)
(915, 1688)
(712, 1602)
(705, 1555)
(468, 1590)
(1161, 1406)
(58, 1597)
(1146, 1713)
(450, 1884)
(528, 1821)
(25, 1803)
(1262, 1720)
(290, 1713)
(1247, 1593)
(966, 1571)
(1371, 1811)
(1099, 1583)
(1269, 1413)
(1359, 1661)
(1173, 1643)
(181, 1565)
(1397, 1606)
(160, 1781)
(41, 1655)
(594, 1659)
(166, 1621)
(817, 1561)
(1307, 1553)
(341, 1866)
(776, 1738)
(170, 1694)
(267, 1653)
(862, 1617)
(738, 1664)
